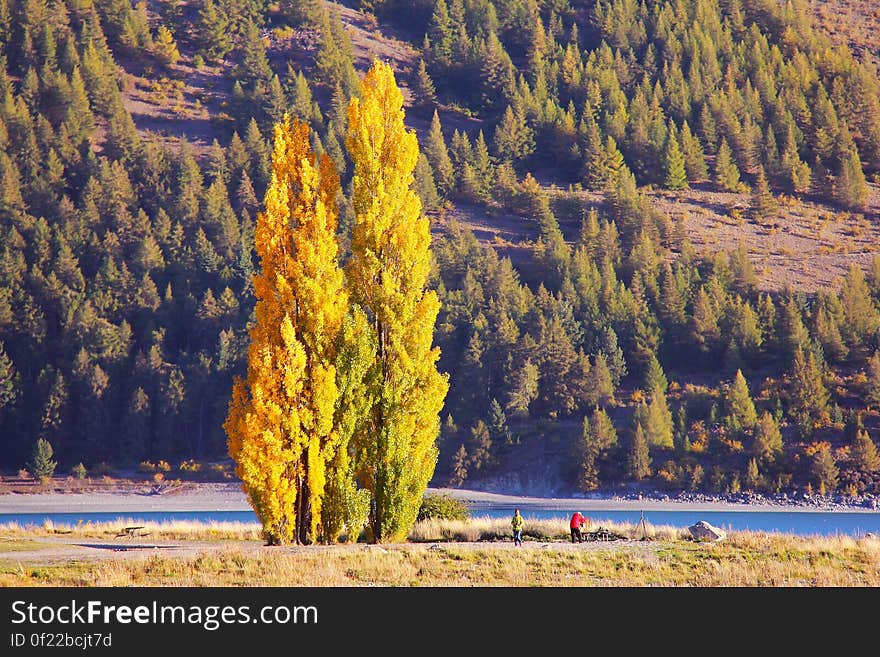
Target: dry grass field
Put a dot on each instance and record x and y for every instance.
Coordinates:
(440, 553)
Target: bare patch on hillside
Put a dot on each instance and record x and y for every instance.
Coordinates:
(808, 247)
(853, 22)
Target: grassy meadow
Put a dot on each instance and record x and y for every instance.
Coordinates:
(475, 552)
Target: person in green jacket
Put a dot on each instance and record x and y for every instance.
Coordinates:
(517, 524)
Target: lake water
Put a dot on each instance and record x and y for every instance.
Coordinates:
(790, 522)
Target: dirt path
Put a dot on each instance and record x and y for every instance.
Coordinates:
(60, 551)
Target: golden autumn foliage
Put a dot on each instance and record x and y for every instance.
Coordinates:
(337, 420)
(282, 423)
(396, 449)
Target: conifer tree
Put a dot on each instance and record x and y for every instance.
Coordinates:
(850, 187)
(674, 173)
(513, 139)
(752, 478)
(387, 275)
(872, 393)
(767, 443)
(438, 156)
(42, 466)
(825, 471)
(741, 414)
(587, 478)
(638, 457)
(694, 158)
(165, 48)
(655, 379)
(809, 403)
(764, 206)
(861, 319)
(524, 389)
(726, 173)
(213, 31)
(423, 90)
(863, 453)
(459, 467)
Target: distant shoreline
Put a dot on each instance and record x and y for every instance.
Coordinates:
(195, 497)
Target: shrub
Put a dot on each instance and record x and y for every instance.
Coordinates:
(443, 507)
(103, 469)
(78, 471)
(42, 466)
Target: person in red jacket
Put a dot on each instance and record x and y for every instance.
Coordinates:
(577, 521)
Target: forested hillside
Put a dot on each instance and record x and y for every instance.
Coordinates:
(655, 226)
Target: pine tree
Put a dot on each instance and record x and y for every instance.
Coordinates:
(861, 319)
(423, 91)
(301, 12)
(764, 206)
(587, 478)
(604, 433)
(165, 48)
(499, 430)
(809, 403)
(513, 140)
(601, 381)
(872, 393)
(752, 478)
(655, 379)
(638, 457)
(741, 414)
(850, 187)
(42, 466)
(825, 471)
(767, 443)
(9, 381)
(863, 454)
(424, 185)
(659, 424)
(334, 63)
(213, 31)
(726, 173)
(438, 156)
(524, 390)
(674, 173)
(387, 274)
(281, 425)
(459, 467)
(694, 158)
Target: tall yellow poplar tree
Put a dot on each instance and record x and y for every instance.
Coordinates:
(282, 423)
(387, 274)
